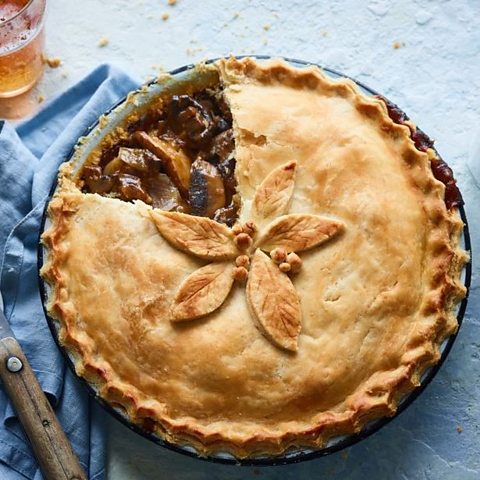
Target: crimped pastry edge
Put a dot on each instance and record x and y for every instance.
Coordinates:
(378, 397)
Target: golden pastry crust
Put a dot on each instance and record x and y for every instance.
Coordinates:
(376, 302)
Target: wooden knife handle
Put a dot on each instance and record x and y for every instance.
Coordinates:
(49, 442)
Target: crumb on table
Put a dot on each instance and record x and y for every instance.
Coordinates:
(459, 429)
(53, 62)
(165, 16)
(397, 45)
(172, 2)
(41, 98)
(103, 42)
(160, 68)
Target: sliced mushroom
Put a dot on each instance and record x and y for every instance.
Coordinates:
(113, 166)
(139, 159)
(176, 162)
(227, 170)
(130, 188)
(207, 193)
(222, 144)
(164, 193)
(95, 181)
(227, 215)
(191, 120)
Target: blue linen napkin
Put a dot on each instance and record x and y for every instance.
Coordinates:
(29, 159)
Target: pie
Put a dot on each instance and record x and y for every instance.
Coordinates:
(260, 260)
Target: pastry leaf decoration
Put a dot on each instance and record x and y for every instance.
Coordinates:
(274, 302)
(271, 296)
(297, 232)
(203, 291)
(199, 236)
(273, 196)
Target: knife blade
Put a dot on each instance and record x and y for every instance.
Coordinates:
(47, 438)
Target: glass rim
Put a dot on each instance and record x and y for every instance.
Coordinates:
(22, 10)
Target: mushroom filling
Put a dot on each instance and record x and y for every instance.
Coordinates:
(179, 158)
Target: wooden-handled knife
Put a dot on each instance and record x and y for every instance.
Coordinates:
(49, 442)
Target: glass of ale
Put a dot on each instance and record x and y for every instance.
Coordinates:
(21, 45)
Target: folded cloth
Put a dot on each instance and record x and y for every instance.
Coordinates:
(29, 158)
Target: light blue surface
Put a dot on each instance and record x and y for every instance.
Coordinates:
(29, 159)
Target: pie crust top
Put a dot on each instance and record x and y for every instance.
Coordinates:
(197, 331)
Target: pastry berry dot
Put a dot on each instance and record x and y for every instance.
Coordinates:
(285, 267)
(294, 261)
(237, 229)
(240, 274)
(278, 255)
(250, 228)
(243, 241)
(242, 261)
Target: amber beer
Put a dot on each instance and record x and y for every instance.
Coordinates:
(21, 45)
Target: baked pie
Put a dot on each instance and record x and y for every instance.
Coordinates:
(264, 259)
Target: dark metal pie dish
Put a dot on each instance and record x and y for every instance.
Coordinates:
(114, 117)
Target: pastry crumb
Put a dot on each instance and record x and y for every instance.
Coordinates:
(324, 34)
(235, 16)
(155, 66)
(172, 2)
(266, 27)
(41, 98)
(53, 62)
(103, 42)
(193, 51)
(397, 45)
(459, 429)
(165, 16)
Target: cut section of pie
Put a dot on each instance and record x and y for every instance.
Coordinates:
(259, 263)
